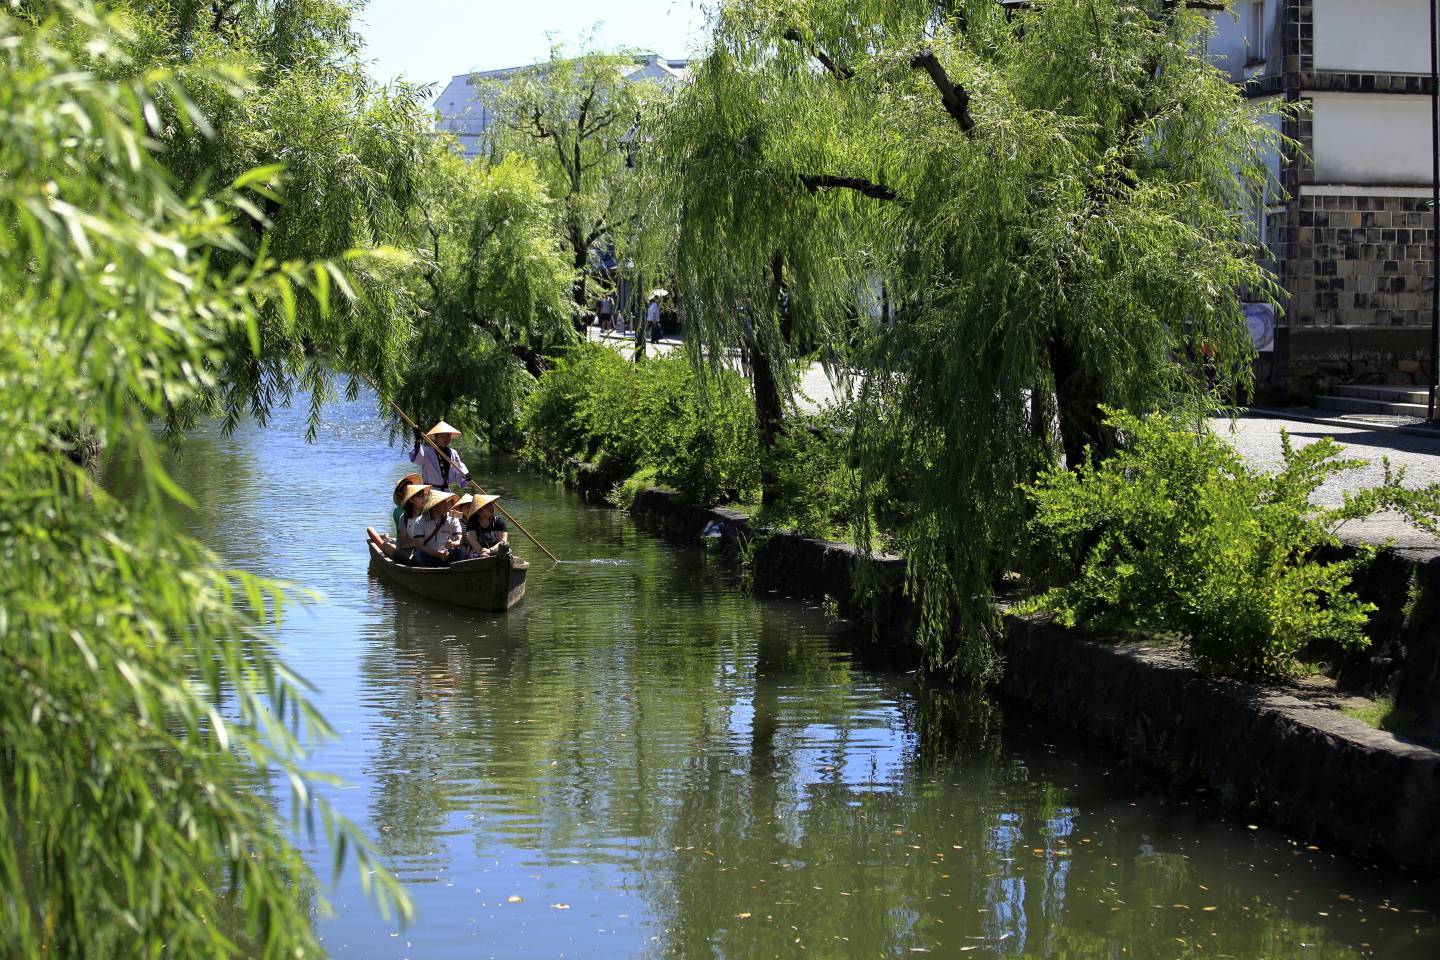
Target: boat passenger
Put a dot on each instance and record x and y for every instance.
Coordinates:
(485, 533)
(412, 506)
(386, 543)
(439, 471)
(436, 535)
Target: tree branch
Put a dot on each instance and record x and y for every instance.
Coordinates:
(844, 73)
(877, 191)
(956, 100)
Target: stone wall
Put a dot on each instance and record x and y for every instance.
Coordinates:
(1321, 357)
(1358, 261)
(1320, 776)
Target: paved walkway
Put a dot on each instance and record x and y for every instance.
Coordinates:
(1258, 440)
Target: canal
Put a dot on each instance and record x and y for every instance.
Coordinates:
(650, 758)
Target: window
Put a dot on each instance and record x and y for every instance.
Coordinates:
(1255, 32)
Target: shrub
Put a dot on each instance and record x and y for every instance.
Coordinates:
(698, 436)
(1177, 535)
(814, 492)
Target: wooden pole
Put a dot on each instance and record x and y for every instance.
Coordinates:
(441, 453)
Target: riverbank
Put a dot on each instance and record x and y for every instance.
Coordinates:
(1282, 756)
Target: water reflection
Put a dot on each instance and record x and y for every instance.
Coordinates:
(656, 761)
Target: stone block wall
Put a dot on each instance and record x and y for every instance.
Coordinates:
(1322, 356)
(1356, 261)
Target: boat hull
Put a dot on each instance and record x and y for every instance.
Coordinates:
(490, 583)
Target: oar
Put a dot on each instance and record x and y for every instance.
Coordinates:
(442, 453)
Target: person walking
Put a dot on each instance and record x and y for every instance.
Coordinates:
(607, 314)
(652, 318)
(439, 472)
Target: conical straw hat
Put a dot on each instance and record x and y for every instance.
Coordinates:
(413, 489)
(438, 497)
(402, 485)
(441, 427)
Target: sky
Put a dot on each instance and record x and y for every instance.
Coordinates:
(429, 41)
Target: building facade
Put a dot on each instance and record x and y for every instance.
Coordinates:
(463, 112)
(1353, 235)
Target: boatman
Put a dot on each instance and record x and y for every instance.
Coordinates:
(440, 472)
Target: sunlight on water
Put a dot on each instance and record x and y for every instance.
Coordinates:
(645, 759)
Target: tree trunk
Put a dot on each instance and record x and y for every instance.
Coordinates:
(769, 413)
(1078, 403)
(581, 264)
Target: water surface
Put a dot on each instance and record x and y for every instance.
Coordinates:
(647, 758)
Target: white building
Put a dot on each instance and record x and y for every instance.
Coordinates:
(1354, 245)
(464, 114)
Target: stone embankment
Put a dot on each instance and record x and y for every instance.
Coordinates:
(1315, 773)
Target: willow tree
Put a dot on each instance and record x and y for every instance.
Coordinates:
(993, 218)
(492, 297)
(281, 87)
(569, 115)
(143, 711)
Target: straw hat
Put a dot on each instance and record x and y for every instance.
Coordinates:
(442, 427)
(483, 501)
(464, 502)
(413, 489)
(401, 485)
(437, 497)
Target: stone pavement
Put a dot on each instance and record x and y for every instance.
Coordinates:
(1258, 440)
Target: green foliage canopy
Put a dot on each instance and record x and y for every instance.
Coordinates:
(568, 114)
(991, 219)
(493, 295)
(142, 710)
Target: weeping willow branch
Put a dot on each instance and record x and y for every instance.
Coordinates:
(877, 191)
(956, 100)
(844, 73)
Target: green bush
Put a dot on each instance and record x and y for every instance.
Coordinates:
(698, 437)
(1176, 535)
(814, 492)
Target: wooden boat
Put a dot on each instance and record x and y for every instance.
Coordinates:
(489, 583)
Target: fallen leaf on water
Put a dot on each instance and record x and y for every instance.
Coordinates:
(742, 915)
(1208, 909)
(561, 906)
(515, 899)
(1180, 906)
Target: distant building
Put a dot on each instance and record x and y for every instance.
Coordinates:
(464, 113)
(1354, 245)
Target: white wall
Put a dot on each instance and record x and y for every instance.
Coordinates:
(1371, 138)
(1228, 49)
(1372, 36)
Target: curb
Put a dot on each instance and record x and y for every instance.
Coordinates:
(1406, 429)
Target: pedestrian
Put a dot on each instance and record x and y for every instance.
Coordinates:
(439, 472)
(652, 318)
(607, 314)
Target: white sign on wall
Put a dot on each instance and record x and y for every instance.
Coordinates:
(1260, 318)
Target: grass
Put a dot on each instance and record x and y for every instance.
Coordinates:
(1384, 715)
